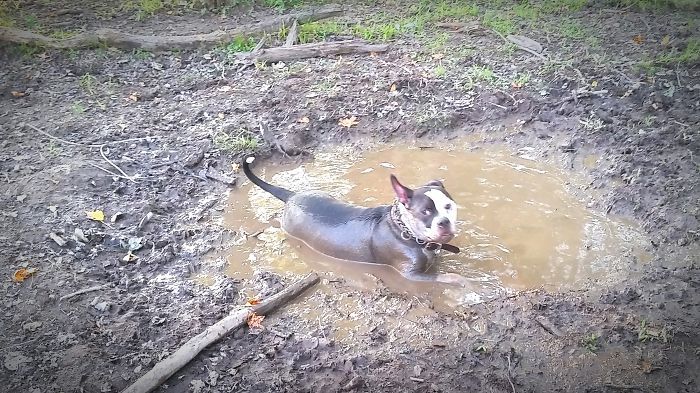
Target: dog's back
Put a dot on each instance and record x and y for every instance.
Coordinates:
(332, 227)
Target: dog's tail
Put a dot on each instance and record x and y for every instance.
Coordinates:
(278, 192)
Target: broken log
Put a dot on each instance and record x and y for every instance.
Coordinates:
(305, 51)
(170, 365)
(292, 35)
(122, 40)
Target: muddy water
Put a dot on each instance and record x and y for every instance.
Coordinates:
(519, 227)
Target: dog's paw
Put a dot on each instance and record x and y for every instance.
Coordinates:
(453, 279)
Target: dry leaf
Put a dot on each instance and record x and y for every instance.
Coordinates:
(638, 39)
(18, 94)
(438, 56)
(255, 320)
(116, 216)
(348, 122)
(134, 97)
(130, 257)
(666, 40)
(22, 274)
(97, 215)
(304, 120)
(517, 85)
(594, 83)
(224, 89)
(393, 87)
(222, 116)
(387, 165)
(252, 301)
(235, 167)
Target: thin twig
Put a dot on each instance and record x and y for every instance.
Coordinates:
(512, 386)
(540, 55)
(37, 129)
(104, 156)
(82, 291)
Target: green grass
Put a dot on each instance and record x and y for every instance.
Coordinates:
(526, 11)
(572, 30)
(88, 83)
(377, 31)
(499, 21)
(282, 4)
(62, 34)
(440, 71)
(590, 342)
(141, 54)
(651, 5)
(242, 142)
(645, 333)
(241, 44)
(689, 55)
(316, 31)
(479, 75)
(77, 108)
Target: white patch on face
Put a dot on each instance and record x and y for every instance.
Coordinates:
(446, 208)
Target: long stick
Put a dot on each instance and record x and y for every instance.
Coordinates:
(316, 49)
(170, 365)
(119, 39)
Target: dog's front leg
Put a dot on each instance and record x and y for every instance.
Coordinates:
(416, 271)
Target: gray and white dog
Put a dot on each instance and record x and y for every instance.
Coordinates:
(406, 235)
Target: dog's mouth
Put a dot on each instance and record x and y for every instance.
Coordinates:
(443, 237)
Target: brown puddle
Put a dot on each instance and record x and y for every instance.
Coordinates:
(519, 228)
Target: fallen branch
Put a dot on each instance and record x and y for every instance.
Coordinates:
(292, 35)
(170, 365)
(115, 38)
(305, 51)
(82, 291)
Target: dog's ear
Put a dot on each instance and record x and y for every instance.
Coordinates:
(403, 193)
(435, 183)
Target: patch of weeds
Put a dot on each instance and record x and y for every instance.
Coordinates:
(590, 342)
(241, 44)
(521, 80)
(6, 19)
(481, 74)
(647, 67)
(453, 10)
(499, 22)
(282, 4)
(562, 6)
(377, 31)
(316, 31)
(27, 50)
(32, 22)
(141, 54)
(88, 83)
(52, 149)
(437, 44)
(148, 8)
(689, 55)
(572, 29)
(508, 49)
(592, 123)
(242, 142)
(440, 71)
(526, 11)
(481, 348)
(648, 5)
(645, 333)
(62, 34)
(77, 108)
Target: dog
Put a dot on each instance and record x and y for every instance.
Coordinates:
(406, 235)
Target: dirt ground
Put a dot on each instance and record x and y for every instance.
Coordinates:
(600, 103)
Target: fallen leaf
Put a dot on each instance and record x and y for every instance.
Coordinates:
(438, 56)
(235, 167)
(594, 83)
(387, 165)
(252, 301)
(22, 274)
(638, 39)
(368, 170)
(517, 85)
(666, 40)
(222, 116)
(225, 88)
(304, 120)
(392, 88)
(130, 257)
(255, 320)
(116, 216)
(20, 198)
(54, 210)
(348, 122)
(79, 235)
(134, 97)
(97, 215)
(18, 94)
(59, 240)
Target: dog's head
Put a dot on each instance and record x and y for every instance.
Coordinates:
(428, 211)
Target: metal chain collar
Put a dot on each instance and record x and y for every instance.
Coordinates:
(407, 234)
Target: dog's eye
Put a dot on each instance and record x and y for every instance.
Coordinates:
(427, 212)
(448, 206)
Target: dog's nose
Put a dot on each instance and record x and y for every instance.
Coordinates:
(444, 223)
